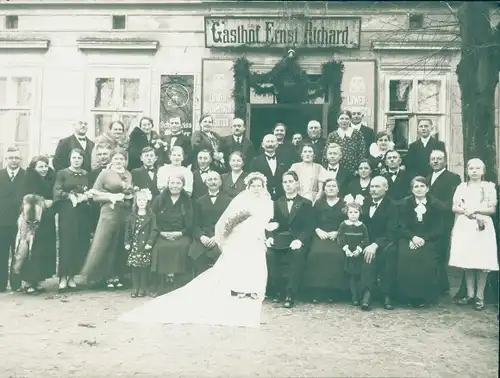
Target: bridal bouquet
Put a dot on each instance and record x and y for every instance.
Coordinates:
(78, 195)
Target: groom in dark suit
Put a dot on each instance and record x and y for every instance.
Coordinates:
(11, 197)
(207, 210)
(145, 176)
(289, 241)
(399, 179)
(77, 140)
(443, 184)
(380, 216)
(271, 165)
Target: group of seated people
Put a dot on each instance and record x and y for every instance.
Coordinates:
(367, 224)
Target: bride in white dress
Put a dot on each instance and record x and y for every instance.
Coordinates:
(232, 291)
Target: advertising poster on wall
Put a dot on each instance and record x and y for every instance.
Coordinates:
(358, 89)
(176, 100)
(218, 85)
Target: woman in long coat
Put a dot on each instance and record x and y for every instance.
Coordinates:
(206, 139)
(41, 264)
(324, 269)
(142, 136)
(75, 221)
(106, 259)
(116, 137)
(350, 140)
(174, 220)
(421, 230)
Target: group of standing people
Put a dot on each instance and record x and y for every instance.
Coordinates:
(348, 212)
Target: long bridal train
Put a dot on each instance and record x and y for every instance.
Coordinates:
(241, 268)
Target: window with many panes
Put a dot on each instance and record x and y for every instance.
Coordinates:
(16, 114)
(116, 98)
(409, 99)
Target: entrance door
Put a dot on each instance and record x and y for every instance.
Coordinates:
(263, 117)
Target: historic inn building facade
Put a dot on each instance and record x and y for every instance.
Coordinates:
(63, 60)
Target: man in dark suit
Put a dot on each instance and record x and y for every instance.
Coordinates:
(443, 184)
(380, 215)
(77, 140)
(289, 241)
(176, 138)
(204, 251)
(339, 173)
(11, 197)
(358, 124)
(399, 179)
(145, 176)
(271, 165)
(204, 163)
(315, 139)
(238, 142)
(419, 152)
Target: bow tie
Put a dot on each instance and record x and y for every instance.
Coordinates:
(374, 205)
(395, 173)
(213, 195)
(333, 169)
(271, 157)
(82, 139)
(290, 199)
(150, 170)
(204, 171)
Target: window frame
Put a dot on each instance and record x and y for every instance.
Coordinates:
(413, 114)
(10, 106)
(117, 110)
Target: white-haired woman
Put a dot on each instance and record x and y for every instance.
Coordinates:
(473, 240)
(231, 292)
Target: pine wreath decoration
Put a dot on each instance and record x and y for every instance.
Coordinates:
(289, 83)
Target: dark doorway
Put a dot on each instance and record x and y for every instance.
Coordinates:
(295, 117)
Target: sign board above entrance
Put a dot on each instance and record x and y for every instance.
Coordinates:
(282, 32)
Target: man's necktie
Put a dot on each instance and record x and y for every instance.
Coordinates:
(271, 157)
(12, 176)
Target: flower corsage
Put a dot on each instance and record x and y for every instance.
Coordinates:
(78, 195)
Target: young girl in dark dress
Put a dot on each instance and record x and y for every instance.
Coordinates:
(352, 238)
(140, 236)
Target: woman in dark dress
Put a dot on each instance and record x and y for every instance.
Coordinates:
(361, 184)
(106, 259)
(71, 202)
(143, 136)
(383, 144)
(41, 264)
(233, 183)
(324, 269)
(420, 232)
(174, 220)
(206, 139)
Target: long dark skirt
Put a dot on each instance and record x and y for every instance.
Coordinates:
(417, 272)
(107, 257)
(74, 237)
(170, 256)
(325, 266)
(42, 261)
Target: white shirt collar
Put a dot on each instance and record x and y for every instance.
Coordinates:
(80, 136)
(423, 202)
(435, 174)
(358, 126)
(377, 202)
(425, 140)
(336, 166)
(343, 133)
(15, 171)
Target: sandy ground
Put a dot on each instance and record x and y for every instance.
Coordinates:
(77, 335)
